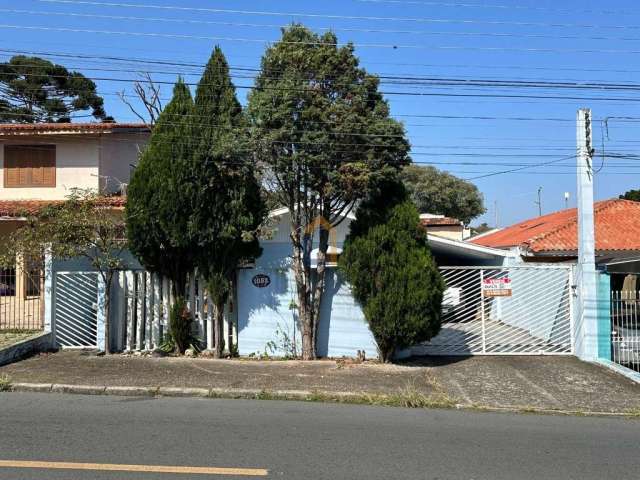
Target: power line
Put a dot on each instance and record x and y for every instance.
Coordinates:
(333, 28)
(138, 61)
(387, 92)
(272, 41)
(501, 7)
(337, 17)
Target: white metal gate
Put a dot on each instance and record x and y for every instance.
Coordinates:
(76, 309)
(512, 310)
(625, 328)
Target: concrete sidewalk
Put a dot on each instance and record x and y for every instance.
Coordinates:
(522, 383)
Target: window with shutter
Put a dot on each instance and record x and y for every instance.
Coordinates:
(29, 166)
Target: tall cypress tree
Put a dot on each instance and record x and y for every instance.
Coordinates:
(157, 209)
(227, 207)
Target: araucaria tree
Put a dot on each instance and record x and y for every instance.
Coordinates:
(393, 276)
(224, 195)
(33, 90)
(158, 211)
(83, 226)
(322, 131)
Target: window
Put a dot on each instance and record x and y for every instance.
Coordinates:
(29, 166)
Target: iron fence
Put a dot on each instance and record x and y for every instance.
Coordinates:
(625, 328)
(21, 297)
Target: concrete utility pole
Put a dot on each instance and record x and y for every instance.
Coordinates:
(586, 320)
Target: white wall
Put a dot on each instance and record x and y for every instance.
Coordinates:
(77, 165)
(265, 314)
(82, 161)
(117, 154)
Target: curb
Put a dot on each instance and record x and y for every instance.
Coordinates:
(297, 395)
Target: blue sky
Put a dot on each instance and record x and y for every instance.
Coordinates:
(508, 40)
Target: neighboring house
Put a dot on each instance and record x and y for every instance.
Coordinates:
(446, 227)
(41, 164)
(553, 238)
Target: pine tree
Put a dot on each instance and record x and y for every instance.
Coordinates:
(157, 209)
(33, 90)
(226, 204)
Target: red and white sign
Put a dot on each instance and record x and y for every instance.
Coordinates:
(496, 287)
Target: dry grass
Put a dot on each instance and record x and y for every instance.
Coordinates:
(9, 337)
(5, 383)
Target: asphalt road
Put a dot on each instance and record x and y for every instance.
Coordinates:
(306, 440)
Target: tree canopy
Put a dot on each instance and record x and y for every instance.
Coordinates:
(438, 192)
(157, 212)
(322, 131)
(34, 90)
(633, 195)
(225, 198)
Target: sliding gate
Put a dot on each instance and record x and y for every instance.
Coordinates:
(513, 310)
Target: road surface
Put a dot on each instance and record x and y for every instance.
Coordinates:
(49, 436)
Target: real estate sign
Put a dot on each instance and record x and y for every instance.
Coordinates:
(496, 287)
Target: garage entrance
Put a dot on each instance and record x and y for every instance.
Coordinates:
(505, 310)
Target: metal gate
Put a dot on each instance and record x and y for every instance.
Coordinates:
(625, 328)
(511, 310)
(76, 309)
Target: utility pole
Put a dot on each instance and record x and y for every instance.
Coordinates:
(539, 202)
(586, 319)
(566, 200)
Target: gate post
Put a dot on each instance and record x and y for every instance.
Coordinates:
(48, 297)
(482, 315)
(101, 320)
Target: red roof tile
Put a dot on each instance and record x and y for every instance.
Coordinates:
(21, 208)
(73, 128)
(617, 227)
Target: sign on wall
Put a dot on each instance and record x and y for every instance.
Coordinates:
(496, 287)
(261, 280)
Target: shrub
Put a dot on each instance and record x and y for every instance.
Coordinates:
(180, 334)
(395, 279)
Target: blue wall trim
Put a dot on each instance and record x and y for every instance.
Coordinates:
(604, 315)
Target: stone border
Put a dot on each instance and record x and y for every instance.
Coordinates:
(296, 395)
(38, 343)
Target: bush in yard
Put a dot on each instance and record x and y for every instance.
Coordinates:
(180, 335)
(395, 279)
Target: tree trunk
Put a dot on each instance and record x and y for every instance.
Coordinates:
(179, 283)
(321, 264)
(218, 319)
(107, 323)
(302, 274)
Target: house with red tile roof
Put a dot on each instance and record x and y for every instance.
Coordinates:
(43, 163)
(554, 237)
(442, 226)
